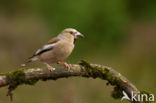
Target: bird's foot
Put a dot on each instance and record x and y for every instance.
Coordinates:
(65, 64)
(49, 67)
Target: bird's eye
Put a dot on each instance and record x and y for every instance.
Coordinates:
(71, 32)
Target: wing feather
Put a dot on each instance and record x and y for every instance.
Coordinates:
(48, 46)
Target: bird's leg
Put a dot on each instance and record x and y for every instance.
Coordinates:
(49, 67)
(65, 64)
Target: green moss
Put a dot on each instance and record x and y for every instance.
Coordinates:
(117, 92)
(18, 77)
(85, 63)
(103, 73)
(15, 79)
(89, 69)
(97, 71)
(15, 75)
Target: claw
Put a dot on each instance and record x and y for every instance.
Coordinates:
(49, 67)
(65, 64)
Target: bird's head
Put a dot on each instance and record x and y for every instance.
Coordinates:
(70, 34)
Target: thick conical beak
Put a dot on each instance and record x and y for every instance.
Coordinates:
(78, 35)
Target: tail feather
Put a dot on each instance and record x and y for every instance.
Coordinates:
(30, 60)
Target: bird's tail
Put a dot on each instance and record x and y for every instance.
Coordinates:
(30, 60)
(26, 63)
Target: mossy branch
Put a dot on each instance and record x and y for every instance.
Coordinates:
(84, 69)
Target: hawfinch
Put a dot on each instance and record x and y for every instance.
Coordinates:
(57, 49)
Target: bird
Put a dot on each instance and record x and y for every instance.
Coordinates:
(57, 49)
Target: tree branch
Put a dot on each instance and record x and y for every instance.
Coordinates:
(84, 69)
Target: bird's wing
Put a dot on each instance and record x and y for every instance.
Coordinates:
(48, 46)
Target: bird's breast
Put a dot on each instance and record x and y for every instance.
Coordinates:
(64, 51)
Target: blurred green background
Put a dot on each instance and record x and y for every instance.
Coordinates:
(118, 33)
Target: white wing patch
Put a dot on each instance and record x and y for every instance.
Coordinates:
(45, 47)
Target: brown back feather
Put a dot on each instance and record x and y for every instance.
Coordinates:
(53, 40)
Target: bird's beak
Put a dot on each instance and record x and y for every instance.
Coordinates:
(78, 35)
